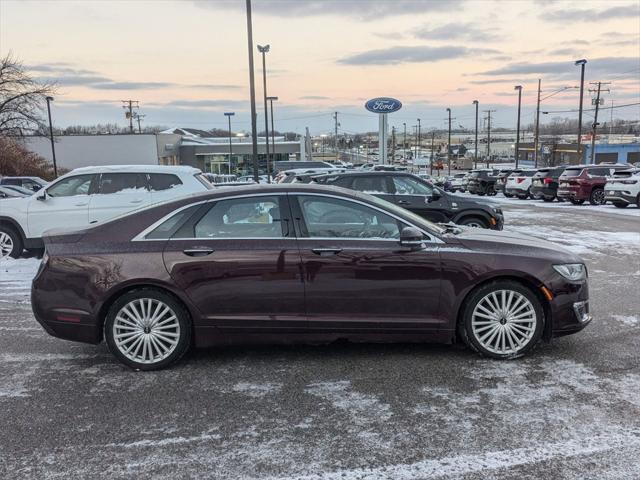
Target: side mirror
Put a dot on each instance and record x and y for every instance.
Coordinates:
(42, 195)
(435, 195)
(412, 238)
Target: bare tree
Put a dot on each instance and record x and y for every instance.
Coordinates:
(22, 99)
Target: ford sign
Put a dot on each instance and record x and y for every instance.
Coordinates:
(383, 105)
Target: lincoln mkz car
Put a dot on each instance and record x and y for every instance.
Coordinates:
(301, 263)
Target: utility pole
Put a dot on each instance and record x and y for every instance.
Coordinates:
(264, 50)
(335, 138)
(128, 105)
(517, 152)
(433, 137)
(415, 156)
(53, 144)
(536, 140)
(139, 117)
(252, 90)
(582, 64)
(449, 144)
(229, 115)
(475, 159)
(594, 128)
(488, 112)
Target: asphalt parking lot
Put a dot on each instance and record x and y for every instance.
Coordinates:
(569, 410)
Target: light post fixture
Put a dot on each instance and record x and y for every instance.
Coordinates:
(273, 128)
(475, 156)
(404, 144)
(252, 90)
(536, 141)
(264, 50)
(582, 63)
(53, 147)
(517, 153)
(229, 115)
(449, 144)
(419, 147)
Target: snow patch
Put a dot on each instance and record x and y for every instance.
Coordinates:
(629, 320)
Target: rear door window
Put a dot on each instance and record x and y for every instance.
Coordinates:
(252, 217)
(111, 183)
(163, 181)
(371, 184)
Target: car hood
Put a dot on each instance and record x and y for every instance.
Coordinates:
(511, 243)
(463, 202)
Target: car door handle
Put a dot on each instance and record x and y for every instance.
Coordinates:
(403, 202)
(82, 204)
(198, 252)
(326, 251)
(139, 200)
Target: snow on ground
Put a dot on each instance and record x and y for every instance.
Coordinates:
(631, 211)
(630, 320)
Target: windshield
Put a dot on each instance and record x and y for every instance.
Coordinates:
(412, 217)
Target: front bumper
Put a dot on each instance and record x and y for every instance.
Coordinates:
(569, 308)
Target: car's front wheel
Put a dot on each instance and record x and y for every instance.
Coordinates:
(10, 242)
(503, 319)
(147, 329)
(475, 222)
(620, 204)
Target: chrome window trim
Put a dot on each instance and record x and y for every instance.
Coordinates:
(140, 237)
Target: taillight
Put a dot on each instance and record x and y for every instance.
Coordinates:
(548, 181)
(520, 179)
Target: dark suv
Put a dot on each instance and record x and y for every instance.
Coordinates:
(501, 180)
(482, 182)
(586, 182)
(544, 184)
(420, 197)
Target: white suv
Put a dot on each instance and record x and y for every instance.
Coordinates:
(623, 188)
(519, 183)
(90, 195)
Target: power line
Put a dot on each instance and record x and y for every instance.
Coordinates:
(592, 109)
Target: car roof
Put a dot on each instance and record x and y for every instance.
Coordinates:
(181, 169)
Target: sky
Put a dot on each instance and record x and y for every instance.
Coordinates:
(186, 62)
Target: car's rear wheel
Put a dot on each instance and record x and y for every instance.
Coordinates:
(147, 329)
(503, 319)
(597, 197)
(508, 195)
(10, 242)
(576, 202)
(548, 199)
(524, 196)
(475, 222)
(620, 204)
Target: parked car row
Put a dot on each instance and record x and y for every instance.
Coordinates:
(577, 184)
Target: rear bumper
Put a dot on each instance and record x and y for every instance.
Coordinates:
(619, 196)
(546, 192)
(576, 193)
(515, 191)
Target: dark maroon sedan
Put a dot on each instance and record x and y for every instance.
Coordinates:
(301, 263)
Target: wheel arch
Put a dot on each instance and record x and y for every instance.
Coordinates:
(142, 285)
(8, 221)
(528, 281)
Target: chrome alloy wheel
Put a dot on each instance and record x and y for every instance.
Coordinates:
(6, 245)
(504, 322)
(146, 330)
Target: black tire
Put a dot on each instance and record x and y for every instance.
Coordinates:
(10, 242)
(548, 199)
(508, 195)
(576, 202)
(620, 204)
(472, 339)
(638, 201)
(183, 318)
(476, 222)
(597, 197)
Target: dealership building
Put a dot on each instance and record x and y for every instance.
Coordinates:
(179, 146)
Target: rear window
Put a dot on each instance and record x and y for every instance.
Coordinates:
(203, 180)
(572, 172)
(527, 173)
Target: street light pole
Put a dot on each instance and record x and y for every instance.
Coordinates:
(419, 146)
(536, 140)
(582, 64)
(229, 115)
(519, 89)
(53, 147)
(252, 89)
(475, 157)
(263, 50)
(273, 128)
(404, 144)
(449, 144)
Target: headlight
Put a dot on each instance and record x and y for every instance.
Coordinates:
(572, 271)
